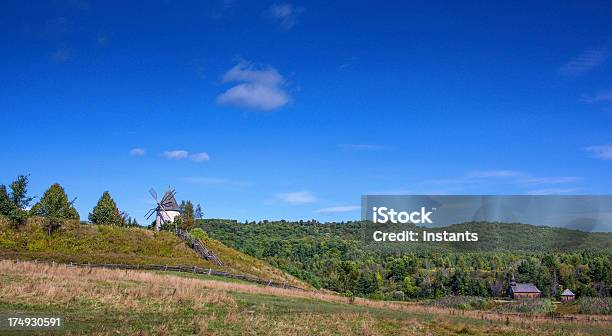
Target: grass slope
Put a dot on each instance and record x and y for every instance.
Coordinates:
(75, 242)
(105, 302)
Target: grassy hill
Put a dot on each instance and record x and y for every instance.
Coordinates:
(117, 302)
(75, 242)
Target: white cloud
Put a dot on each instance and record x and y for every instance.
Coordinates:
(297, 197)
(257, 88)
(601, 96)
(584, 62)
(183, 154)
(286, 14)
(199, 157)
(137, 152)
(176, 154)
(337, 209)
(601, 152)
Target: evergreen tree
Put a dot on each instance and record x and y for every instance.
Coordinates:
(13, 204)
(54, 204)
(199, 214)
(106, 211)
(6, 205)
(187, 215)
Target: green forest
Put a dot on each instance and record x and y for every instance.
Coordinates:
(336, 257)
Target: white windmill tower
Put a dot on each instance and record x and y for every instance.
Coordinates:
(167, 208)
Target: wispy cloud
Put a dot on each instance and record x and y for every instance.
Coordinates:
(601, 96)
(369, 147)
(504, 177)
(603, 152)
(493, 173)
(286, 14)
(297, 197)
(215, 181)
(338, 209)
(584, 62)
(176, 154)
(257, 88)
(137, 152)
(199, 157)
(532, 181)
(553, 191)
(183, 154)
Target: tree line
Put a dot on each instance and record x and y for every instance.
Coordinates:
(55, 207)
(333, 256)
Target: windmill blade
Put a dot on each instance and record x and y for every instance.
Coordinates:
(150, 213)
(153, 193)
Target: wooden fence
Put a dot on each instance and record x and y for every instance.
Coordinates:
(199, 247)
(182, 269)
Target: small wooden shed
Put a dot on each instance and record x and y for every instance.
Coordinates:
(568, 296)
(524, 290)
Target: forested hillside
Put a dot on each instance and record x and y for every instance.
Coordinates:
(335, 256)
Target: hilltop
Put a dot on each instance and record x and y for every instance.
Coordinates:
(83, 243)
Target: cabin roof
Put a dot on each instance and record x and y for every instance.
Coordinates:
(567, 292)
(525, 288)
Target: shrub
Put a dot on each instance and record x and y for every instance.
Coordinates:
(595, 305)
(543, 306)
(461, 302)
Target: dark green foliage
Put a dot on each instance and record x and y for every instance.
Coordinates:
(187, 215)
(106, 211)
(55, 204)
(54, 207)
(199, 214)
(19, 192)
(13, 204)
(334, 256)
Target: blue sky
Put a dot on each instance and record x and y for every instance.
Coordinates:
(292, 110)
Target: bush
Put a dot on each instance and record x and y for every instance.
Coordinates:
(199, 234)
(543, 306)
(594, 305)
(461, 302)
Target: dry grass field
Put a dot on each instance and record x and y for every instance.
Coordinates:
(111, 302)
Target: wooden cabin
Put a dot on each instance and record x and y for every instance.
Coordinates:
(568, 296)
(524, 291)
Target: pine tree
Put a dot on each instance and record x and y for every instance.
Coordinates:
(5, 202)
(198, 212)
(106, 211)
(187, 216)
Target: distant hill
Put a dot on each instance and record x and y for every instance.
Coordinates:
(493, 237)
(336, 256)
(76, 242)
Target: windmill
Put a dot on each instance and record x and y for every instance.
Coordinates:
(166, 210)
